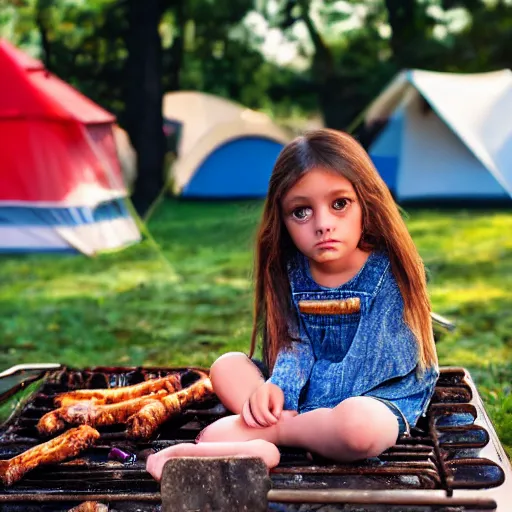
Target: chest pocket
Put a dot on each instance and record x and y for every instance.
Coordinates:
(330, 323)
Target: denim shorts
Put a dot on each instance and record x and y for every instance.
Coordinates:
(403, 425)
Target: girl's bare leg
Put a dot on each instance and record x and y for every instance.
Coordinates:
(234, 379)
(227, 437)
(358, 428)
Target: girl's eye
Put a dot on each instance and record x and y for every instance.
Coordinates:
(301, 213)
(340, 204)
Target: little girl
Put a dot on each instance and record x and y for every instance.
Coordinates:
(342, 308)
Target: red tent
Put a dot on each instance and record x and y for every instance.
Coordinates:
(61, 186)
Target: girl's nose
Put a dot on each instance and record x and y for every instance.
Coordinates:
(324, 223)
(321, 231)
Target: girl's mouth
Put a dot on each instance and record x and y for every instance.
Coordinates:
(325, 244)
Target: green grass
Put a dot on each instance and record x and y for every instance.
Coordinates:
(136, 307)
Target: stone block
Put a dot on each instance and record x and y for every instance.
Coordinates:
(215, 484)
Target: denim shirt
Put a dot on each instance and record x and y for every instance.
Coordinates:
(367, 353)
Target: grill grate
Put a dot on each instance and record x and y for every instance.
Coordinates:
(441, 456)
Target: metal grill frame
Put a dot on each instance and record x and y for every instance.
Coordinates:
(437, 466)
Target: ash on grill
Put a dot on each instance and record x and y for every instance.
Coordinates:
(452, 462)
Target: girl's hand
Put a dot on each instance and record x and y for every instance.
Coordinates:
(264, 407)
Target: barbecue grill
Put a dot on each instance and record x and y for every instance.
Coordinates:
(452, 462)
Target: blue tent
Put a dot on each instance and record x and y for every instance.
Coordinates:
(224, 150)
(446, 136)
(238, 167)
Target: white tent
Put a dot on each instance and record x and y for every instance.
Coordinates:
(448, 136)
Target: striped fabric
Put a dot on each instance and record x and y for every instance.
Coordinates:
(58, 229)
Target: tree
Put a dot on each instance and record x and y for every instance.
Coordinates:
(346, 72)
(217, 55)
(403, 18)
(143, 99)
(486, 41)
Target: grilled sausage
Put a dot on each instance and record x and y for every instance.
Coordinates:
(144, 423)
(88, 412)
(67, 445)
(170, 383)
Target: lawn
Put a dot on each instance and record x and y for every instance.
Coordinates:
(187, 299)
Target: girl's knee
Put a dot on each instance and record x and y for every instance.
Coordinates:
(211, 435)
(363, 440)
(225, 363)
(365, 428)
(362, 443)
(221, 430)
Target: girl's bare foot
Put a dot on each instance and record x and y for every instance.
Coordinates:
(259, 448)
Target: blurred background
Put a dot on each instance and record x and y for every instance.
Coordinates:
(152, 127)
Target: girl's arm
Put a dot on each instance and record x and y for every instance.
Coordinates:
(292, 370)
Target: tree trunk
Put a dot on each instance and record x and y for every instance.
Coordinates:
(404, 30)
(328, 83)
(143, 90)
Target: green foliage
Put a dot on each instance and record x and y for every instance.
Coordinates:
(137, 308)
(349, 66)
(219, 56)
(484, 44)
(347, 51)
(86, 46)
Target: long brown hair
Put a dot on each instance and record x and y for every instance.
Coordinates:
(383, 228)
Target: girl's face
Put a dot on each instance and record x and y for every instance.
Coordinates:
(324, 219)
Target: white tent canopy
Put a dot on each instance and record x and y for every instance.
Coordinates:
(460, 148)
